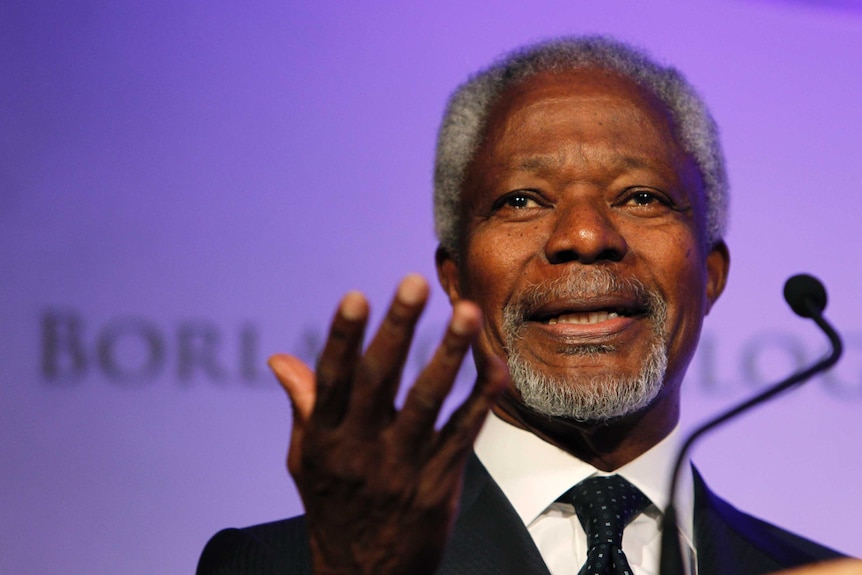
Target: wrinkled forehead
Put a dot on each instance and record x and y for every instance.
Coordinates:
(588, 106)
(585, 85)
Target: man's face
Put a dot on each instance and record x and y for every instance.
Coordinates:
(582, 242)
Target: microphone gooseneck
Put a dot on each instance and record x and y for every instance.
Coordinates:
(807, 297)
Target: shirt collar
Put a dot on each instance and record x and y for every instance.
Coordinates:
(533, 473)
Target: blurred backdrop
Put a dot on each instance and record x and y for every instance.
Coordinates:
(188, 187)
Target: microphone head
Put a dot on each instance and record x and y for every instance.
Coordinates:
(805, 294)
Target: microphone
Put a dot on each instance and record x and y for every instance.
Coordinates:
(807, 297)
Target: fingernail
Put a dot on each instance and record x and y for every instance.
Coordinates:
(413, 290)
(353, 306)
(460, 325)
(278, 365)
(464, 318)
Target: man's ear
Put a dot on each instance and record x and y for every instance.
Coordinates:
(717, 267)
(447, 273)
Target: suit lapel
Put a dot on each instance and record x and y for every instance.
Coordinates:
(488, 536)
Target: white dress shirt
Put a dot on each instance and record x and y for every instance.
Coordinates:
(533, 474)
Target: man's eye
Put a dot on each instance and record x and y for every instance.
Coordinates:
(648, 199)
(519, 201)
(644, 198)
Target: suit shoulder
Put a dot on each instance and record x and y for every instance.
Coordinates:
(267, 548)
(719, 522)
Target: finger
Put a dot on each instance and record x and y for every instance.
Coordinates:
(338, 361)
(379, 371)
(444, 470)
(422, 405)
(458, 434)
(298, 381)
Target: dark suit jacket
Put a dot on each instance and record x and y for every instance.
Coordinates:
(489, 537)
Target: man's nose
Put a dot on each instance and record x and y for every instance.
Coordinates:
(585, 232)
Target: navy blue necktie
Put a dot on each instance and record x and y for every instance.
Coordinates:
(605, 505)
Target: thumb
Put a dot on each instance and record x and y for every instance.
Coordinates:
(297, 379)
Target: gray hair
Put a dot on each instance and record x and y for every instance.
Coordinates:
(463, 125)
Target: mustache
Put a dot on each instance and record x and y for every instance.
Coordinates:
(582, 284)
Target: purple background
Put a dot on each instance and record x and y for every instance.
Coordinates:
(226, 168)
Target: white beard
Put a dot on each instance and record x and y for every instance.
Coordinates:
(595, 398)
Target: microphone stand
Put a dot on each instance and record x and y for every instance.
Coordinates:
(805, 302)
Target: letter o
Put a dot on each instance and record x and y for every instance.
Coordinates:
(754, 350)
(130, 330)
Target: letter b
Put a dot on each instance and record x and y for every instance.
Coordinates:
(63, 354)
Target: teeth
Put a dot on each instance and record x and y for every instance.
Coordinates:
(587, 318)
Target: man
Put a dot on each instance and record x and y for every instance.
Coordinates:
(580, 200)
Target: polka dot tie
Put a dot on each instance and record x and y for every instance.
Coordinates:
(605, 505)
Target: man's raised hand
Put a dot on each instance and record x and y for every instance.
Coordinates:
(380, 486)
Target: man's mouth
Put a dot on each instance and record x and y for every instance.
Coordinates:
(587, 313)
(582, 318)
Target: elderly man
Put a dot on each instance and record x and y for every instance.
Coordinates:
(580, 200)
